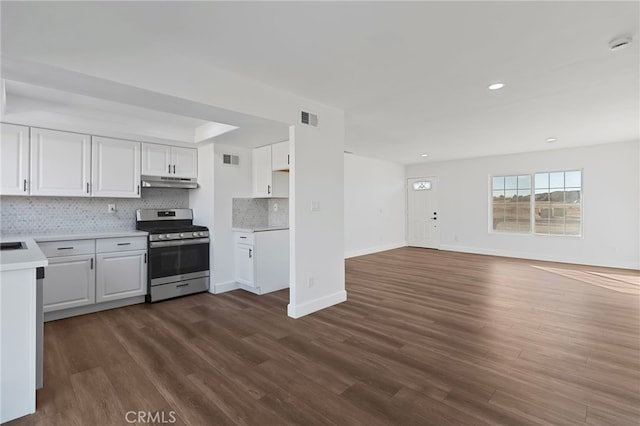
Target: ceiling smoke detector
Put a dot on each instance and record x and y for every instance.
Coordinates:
(619, 43)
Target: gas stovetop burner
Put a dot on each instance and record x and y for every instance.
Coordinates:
(174, 224)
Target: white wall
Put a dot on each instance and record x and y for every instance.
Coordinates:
(230, 182)
(374, 205)
(611, 187)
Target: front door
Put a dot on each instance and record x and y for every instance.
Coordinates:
(423, 228)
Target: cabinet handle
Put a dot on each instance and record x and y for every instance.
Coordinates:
(65, 248)
(92, 263)
(138, 189)
(87, 187)
(182, 285)
(169, 169)
(244, 238)
(288, 160)
(24, 185)
(250, 253)
(174, 169)
(145, 258)
(124, 244)
(268, 189)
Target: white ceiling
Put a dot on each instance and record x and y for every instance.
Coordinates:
(411, 76)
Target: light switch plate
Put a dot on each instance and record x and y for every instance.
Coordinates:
(315, 206)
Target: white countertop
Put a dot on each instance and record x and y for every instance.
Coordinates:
(29, 258)
(76, 236)
(261, 229)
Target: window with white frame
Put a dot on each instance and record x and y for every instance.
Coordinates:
(558, 203)
(554, 209)
(511, 199)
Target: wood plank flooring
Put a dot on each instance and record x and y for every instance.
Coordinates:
(426, 338)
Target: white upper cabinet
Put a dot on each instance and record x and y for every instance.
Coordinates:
(262, 182)
(14, 160)
(266, 182)
(171, 161)
(115, 168)
(184, 162)
(60, 163)
(280, 158)
(156, 159)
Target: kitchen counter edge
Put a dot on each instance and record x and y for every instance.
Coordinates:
(78, 236)
(261, 229)
(29, 258)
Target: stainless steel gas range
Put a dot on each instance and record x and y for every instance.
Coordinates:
(178, 253)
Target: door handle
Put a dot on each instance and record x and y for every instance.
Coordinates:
(145, 258)
(138, 189)
(268, 189)
(24, 185)
(169, 171)
(434, 218)
(174, 169)
(250, 253)
(87, 187)
(92, 263)
(288, 159)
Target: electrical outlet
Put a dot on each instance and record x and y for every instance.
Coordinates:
(111, 208)
(310, 282)
(275, 207)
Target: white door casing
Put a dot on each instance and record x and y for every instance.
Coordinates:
(423, 223)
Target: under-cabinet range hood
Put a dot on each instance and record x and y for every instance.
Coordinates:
(168, 182)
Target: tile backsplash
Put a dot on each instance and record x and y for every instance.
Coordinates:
(45, 215)
(260, 212)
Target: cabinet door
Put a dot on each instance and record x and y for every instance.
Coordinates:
(244, 264)
(156, 159)
(262, 185)
(121, 275)
(14, 147)
(69, 281)
(184, 162)
(60, 163)
(280, 158)
(115, 168)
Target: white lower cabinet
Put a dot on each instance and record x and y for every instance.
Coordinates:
(244, 264)
(69, 282)
(93, 271)
(121, 275)
(262, 260)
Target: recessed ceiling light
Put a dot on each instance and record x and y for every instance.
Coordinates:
(619, 43)
(550, 140)
(496, 86)
(424, 155)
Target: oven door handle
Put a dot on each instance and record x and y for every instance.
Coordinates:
(158, 244)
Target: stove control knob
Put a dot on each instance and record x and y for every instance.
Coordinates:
(168, 236)
(195, 234)
(203, 234)
(181, 235)
(161, 237)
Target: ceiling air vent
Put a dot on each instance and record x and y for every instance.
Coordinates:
(309, 118)
(231, 160)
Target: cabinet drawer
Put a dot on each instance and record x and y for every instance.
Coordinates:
(244, 238)
(108, 245)
(67, 248)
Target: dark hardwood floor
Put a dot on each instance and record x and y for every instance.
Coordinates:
(426, 338)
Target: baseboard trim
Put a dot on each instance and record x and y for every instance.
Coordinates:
(371, 250)
(224, 287)
(89, 309)
(298, 311)
(530, 256)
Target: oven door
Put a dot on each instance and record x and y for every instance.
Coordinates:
(173, 260)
